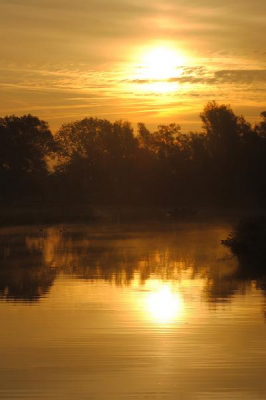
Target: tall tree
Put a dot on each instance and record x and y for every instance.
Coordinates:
(25, 144)
(97, 155)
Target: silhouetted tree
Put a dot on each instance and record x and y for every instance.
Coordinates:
(103, 162)
(261, 127)
(225, 133)
(25, 144)
(97, 157)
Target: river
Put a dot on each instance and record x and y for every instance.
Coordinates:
(138, 311)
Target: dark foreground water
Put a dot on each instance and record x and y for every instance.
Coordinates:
(128, 312)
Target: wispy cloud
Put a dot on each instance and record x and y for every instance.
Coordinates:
(200, 75)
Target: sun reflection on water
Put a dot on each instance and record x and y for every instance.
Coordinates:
(164, 305)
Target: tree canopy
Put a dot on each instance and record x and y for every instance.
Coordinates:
(98, 161)
(25, 144)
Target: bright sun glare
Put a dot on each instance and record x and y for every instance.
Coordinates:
(162, 63)
(165, 306)
(157, 68)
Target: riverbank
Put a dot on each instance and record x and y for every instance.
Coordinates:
(45, 214)
(34, 214)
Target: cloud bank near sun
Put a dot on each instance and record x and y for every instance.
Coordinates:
(65, 60)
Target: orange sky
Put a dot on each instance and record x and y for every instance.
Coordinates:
(63, 60)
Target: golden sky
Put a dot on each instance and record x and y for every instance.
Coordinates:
(145, 61)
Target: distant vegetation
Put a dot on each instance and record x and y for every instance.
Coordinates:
(93, 161)
(248, 242)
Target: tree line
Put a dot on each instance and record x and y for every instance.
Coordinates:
(95, 161)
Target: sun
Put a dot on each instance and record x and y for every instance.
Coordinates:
(162, 63)
(156, 70)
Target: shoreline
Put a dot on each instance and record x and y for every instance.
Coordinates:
(47, 214)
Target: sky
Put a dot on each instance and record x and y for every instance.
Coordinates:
(146, 61)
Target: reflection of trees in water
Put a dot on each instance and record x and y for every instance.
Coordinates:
(222, 289)
(30, 263)
(23, 274)
(241, 279)
(120, 256)
(25, 284)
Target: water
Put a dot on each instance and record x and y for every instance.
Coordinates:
(128, 312)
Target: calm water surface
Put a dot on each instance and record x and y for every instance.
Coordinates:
(128, 312)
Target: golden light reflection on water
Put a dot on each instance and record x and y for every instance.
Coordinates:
(164, 305)
(128, 314)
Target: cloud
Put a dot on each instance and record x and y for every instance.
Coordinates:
(82, 22)
(200, 75)
(241, 76)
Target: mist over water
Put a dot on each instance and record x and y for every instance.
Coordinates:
(128, 311)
